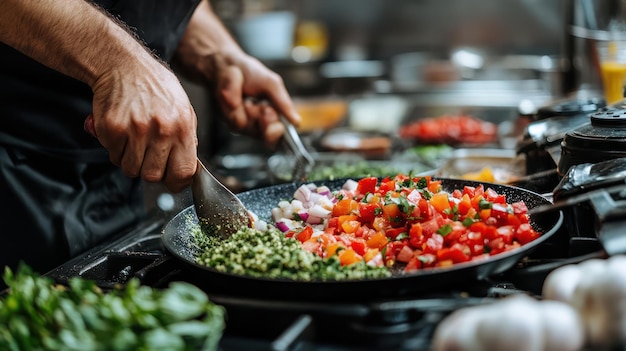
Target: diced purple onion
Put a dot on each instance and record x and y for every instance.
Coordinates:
(282, 226)
(314, 220)
(303, 193)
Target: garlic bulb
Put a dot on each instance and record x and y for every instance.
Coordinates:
(515, 323)
(596, 288)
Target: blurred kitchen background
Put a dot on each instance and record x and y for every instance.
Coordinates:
(359, 70)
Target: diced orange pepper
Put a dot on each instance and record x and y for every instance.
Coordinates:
(333, 248)
(346, 218)
(380, 223)
(392, 213)
(465, 204)
(440, 201)
(350, 226)
(345, 207)
(434, 186)
(485, 213)
(476, 200)
(349, 256)
(377, 241)
(471, 213)
(370, 253)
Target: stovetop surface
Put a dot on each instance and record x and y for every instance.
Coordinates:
(253, 323)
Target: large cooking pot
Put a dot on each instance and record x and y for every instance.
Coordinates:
(177, 238)
(602, 138)
(541, 142)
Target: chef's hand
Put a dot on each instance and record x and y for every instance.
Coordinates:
(141, 114)
(208, 54)
(143, 117)
(257, 116)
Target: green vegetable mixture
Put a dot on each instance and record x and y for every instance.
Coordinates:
(270, 254)
(38, 315)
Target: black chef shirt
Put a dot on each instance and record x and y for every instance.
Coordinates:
(59, 194)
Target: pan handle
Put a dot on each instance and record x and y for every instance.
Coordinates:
(608, 202)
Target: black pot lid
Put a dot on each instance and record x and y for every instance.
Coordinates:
(606, 131)
(549, 132)
(571, 107)
(553, 121)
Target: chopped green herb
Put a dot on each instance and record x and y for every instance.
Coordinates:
(484, 204)
(467, 222)
(422, 183)
(445, 230)
(426, 194)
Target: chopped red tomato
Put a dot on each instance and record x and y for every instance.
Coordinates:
(305, 234)
(410, 220)
(367, 185)
(367, 212)
(450, 129)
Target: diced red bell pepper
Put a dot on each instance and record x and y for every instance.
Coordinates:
(367, 185)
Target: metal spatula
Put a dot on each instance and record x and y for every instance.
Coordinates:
(220, 212)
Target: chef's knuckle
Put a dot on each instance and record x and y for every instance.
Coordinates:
(152, 175)
(141, 126)
(275, 79)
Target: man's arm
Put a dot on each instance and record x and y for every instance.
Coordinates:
(70, 36)
(208, 53)
(141, 113)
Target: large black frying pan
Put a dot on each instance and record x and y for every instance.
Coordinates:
(177, 239)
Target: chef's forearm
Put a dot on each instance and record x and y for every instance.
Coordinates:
(205, 36)
(70, 36)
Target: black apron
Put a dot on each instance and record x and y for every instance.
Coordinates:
(59, 193)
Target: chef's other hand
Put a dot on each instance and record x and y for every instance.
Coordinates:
(208, 54)
(258, 116)
(143, 117)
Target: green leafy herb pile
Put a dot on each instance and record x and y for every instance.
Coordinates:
(359, 169)
(272, 255)
(36, 314)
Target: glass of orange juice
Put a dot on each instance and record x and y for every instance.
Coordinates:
(612, 54)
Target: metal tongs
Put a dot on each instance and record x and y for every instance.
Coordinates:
(304, 162)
